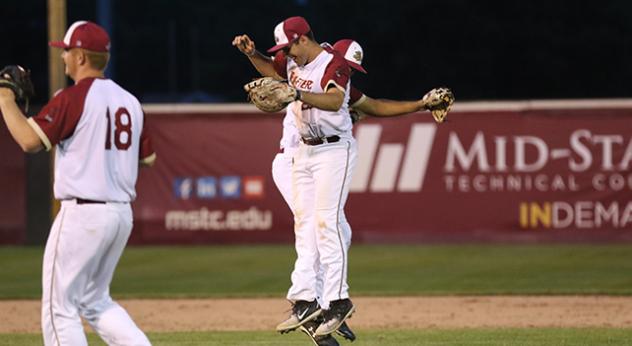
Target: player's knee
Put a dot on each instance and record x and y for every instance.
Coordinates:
(327, 219)
(91, 311)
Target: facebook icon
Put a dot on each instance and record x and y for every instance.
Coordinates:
(183, 187)
(206, 187)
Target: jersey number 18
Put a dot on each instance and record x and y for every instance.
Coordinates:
(122, 131)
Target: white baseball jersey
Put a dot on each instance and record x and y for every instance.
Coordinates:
(326, 70)
(291, 138)
(98, 128)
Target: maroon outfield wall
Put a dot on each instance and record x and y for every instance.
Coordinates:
(12, 190)
(504, 172)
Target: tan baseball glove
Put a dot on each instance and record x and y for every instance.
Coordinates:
(438, 101)
(270, 95)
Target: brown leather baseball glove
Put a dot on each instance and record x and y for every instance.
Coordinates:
(438, 101)
(270, 95)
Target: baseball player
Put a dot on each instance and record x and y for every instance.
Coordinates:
(361, 103)
(282, 163)
(98, 130)
(323, 165)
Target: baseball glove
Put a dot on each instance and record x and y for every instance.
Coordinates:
(18, 79)
(270, 95)
(438, 101)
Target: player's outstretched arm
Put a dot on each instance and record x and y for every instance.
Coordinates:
(261, 62)
(388, 108)
(16, 122)
(328, 101)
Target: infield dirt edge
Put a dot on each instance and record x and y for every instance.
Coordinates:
(173, 315)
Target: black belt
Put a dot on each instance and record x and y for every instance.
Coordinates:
(88, 201)
(319, 141)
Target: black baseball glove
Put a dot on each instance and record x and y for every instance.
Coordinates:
(18, 79)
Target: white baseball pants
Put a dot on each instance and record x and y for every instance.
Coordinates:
(324, 172)
(82, 251)
(307, 276)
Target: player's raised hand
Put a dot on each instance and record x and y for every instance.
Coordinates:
(244, 44)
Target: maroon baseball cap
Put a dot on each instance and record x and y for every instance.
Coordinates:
(289, 31)
(353, 53)
(86, 35)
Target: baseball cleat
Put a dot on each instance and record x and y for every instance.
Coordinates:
(346, 332)
(325, 340)
(302, 311)
(339, 311)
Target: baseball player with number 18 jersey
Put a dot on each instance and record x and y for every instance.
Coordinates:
(99, 132)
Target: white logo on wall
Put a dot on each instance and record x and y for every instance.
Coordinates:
(499, 163)
(385, 168)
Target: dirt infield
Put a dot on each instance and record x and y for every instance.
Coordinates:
(372, 313)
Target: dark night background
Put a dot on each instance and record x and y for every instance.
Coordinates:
(180, 51)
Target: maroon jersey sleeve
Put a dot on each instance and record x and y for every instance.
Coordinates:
(336, 74)
(58, 119)
(355, 96)
(279, 62)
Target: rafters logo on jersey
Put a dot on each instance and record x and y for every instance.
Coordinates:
(385, 168)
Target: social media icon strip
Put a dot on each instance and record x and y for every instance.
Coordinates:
(206, 188)
(254, 187)
(183, 187)
(230, 187)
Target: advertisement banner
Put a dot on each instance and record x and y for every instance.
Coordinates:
(517, 173)
(212, 181)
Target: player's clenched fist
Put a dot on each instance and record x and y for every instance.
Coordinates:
(244, 44)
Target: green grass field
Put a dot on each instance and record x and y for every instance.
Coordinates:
(459, 337)
(249, 271)
(256, 271)
(453, 337)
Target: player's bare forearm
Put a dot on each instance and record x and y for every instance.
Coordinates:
(263, 64)
(19, 128)
(329, 101)
(388, 108)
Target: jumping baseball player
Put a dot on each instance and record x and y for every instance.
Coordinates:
(282, 163)
(99, 133)
(323, 165)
